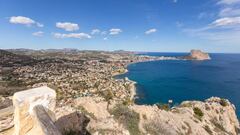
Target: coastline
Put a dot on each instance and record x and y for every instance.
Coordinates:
(132, 84)
(133, 88)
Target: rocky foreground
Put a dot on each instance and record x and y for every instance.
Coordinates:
(35, 113)
(215, 116)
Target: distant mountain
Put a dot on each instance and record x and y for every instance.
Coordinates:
(8, 59)
(123, 51)
(61, 50)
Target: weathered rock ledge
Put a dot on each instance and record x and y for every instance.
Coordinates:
(215, 116)
(35, 111)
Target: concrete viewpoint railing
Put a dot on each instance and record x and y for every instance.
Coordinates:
(44, 121)
(33, 113)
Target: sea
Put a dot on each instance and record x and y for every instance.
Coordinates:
(180, 80)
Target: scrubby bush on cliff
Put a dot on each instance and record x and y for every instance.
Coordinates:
(198, 112)
(223, 102)
(84, 111)
(162, 106)
(156, 128)
(108, 96)
(127, 102)
(127, 117)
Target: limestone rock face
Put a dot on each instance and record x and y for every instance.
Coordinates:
(199, 55)
(215, 116)
(25, 102)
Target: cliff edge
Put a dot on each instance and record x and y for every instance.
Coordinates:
(95, 115)
(214, 116)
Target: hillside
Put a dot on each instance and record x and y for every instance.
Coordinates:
(9, 59)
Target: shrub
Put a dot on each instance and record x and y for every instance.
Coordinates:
(107, 95)
(198, 112)
(186, 105)
(127, 117)
(127, 101)
(223, 102)
(156, 128)
(84, 111)
(144, 116)
(165, 107)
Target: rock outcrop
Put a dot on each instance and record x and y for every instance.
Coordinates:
(94, 115)
(215, 116)
(197, 55)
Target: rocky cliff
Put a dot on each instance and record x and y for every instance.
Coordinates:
(215, 116)
(197, 55)
(94, 115)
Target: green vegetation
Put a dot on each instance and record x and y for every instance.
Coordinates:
(156, 128)
(223, 102)
(144, 116)
(127, 117)
(84, 111)
(127, 101)
(186, 105)
(107, 95)
(162, 106)
(198, 113)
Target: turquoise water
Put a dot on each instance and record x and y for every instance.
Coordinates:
(159, 81)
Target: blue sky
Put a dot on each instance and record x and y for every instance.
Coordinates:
(135, 25)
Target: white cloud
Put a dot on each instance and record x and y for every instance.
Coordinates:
(38, 34)
(115, 31)
(40, 25)
(105, 38)
(150, 31)
(24, 20)
(67, 26)
(95, 31)
(103, 32)
(227, 21)
(223, 30)
(229, 12)
(228, 2)
(72, 35)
